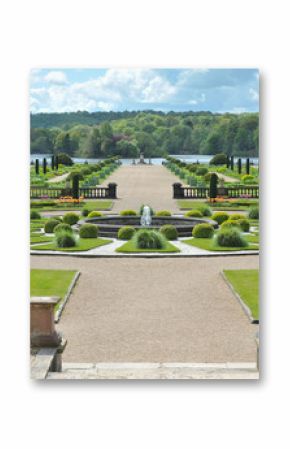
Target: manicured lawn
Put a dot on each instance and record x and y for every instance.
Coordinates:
(82, 245)
(192, 204)
(50, 282)
(210, 245)
(91, 205)
(39, 238)
(129, 247)
(246, 284)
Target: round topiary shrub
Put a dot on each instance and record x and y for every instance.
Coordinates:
(254, 213)
(244, 224)
(203, 231)
(205, 210)
(237, 217)
(71, 218)
(34, 215)
(85, 212)
(169, 232)
(64, 239)
(201, 171)
(230, 224)
(142, 207)
(126, 232)
(128, 212)
(63, 227)
(163, 213)
(220, 217)
(147, 239)
(194, 213)
(231, 238)
(89, 231)
(248, 179)
(50, 225)
(219, 159)
(94, 213)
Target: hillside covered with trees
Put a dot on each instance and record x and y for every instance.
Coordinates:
(104, 134)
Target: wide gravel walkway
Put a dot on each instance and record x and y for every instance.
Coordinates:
(154, 310)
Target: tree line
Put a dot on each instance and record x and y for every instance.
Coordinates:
(152, 133)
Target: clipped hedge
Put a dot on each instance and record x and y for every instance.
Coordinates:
(194, 213)
(71, 218)
(34, 215)
(50, 225)
(64, 239)
(89, 231)
(237, 217)
(126, 232)
(230, 224)
(163, 213)
(220, 217)
(128, 212)
(62, 227)
(94, 213)
(203, 231)
(205, 210)
(231, 238)
(254, 213)
(169, 232)
(148, 239)
(244, 224)
(85, 212)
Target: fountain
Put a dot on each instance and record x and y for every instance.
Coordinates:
(146, 218)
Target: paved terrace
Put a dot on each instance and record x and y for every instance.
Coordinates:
(154, 310)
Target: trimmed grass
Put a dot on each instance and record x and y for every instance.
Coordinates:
(91, 205)
(246, 284)
(129, 247)
(39, 238)
(82, 245)
(50, 282)
(192, 204)
(210, 245)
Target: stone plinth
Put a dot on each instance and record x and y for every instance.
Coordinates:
(42, 328)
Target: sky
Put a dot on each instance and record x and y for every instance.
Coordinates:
(215, 90)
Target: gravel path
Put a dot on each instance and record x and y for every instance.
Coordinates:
(154, 310)
(144, 184)
(58, 178)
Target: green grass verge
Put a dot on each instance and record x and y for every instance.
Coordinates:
(91, 205)
(50, 283)
(129, 247)
(82, 245)
(193, 204)
(39, 238)
(210, 245)
(246, 284)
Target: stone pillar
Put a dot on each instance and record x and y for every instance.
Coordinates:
(177, 190)
(42, 328)
(112, 186)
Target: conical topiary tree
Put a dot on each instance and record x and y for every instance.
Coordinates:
(248, 166)
(37, 166)
(44, 165)
(52, 162)
(56, 162)
(213, 186)
(232, 163)
(239, 165)
(75, 186)
(228, 161)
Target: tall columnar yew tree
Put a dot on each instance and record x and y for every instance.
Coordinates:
(52, 162)
(228, 162)
(56, 162)
(37, 166)
(75, 186)
(213, 186)
(239, 165)
(248, 166)
(232, 163)
(44, 165)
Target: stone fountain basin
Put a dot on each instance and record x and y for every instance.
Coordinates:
(109, 225)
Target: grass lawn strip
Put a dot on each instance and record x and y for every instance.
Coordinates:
(90, 205)
(40, 238)
(82, 245)
(129, 247)
(246, 284)
(210, 245)
(50, 283)
(192, 204)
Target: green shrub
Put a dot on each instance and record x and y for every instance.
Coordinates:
(203, 231)
(219, 159)
(201, 171)
(254, 213)
(220, 217)
(62, 227)
(205, 210)
(126, 232)
(248, 179)
(85, 212)
(65, 159)
(237, 217)
(71, 218)
(64, 239)
(148, 239)
(94, 213)
(50, 225)
(231, 238)
(128, 212)
(163, 213)
(230, 224)
(194, 213)
(34, 215)
(244, 224)
(89, 231)
(169, 232)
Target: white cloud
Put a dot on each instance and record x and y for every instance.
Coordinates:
(56, 77)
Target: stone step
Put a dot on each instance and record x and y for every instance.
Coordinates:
(152, 371)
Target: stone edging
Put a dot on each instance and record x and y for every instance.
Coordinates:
(144, 255)
(66, 298)
(245, 308)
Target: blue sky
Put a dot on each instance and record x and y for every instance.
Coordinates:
(216, 90)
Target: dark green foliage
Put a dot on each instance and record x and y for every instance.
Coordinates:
(248, 166)
(56, 162)
(44, 165)
(126, 233)
(71, 218)
(244, 224)
(52, 162)
(142, 207)
(75, 186)
(254, 213)
(169, 232)
(85, 212)
(147, 239)
(220, 217)
(89, 231)
(37, 166)
(213, 183)
(201, 171)
(232, 163)
(231, 238)
(203, 231)
(228, 161)
(194, 213)
(64, 159)
(64, 239)
(163, 213)
(205, 210)
(34, 215)
(239, 165)
(50, 225)
(219, 159)
(128, 212)
(62, 227)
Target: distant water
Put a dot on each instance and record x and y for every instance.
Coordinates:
(202, 158)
